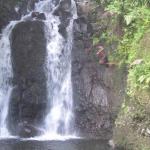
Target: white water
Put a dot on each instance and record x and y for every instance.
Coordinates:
(59, 119)
(5, 78)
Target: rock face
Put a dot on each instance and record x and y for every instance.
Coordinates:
(39, 16)
(91, 96)
(13, 10)
(28, 100)
(7, 12)
(64, 13)
(97, 90)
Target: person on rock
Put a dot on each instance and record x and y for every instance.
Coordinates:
(103, 59)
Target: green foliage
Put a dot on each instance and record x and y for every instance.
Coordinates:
(133, 16)
(95, 40)
(135, 111)
(140, 2)
(137, 22)
(139, 77)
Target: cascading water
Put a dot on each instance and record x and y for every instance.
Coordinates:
(58, 69)
(5, 78)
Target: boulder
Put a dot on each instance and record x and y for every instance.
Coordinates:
(28, 99)
(64, 13)
(83, 26)
(37, 15)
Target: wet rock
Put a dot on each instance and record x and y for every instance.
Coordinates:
(37, 15)
(62, 30)
(65, 5)
(28, 99)
(7, 12)
(92, 115)
(27, 130)
(41, 16)
(84, 7)
(64, 13)
(13, 10)
(26, 5)
(34, 16)
(82, 26)
(95, 91)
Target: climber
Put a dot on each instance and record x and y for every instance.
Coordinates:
(103, 59)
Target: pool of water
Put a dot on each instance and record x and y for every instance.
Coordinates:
(73, 144)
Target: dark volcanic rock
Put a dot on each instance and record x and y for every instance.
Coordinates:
(13, 10)
(27, 130)
(28, 99)
(7, 12)
(38, 16)
(41, 16)
(83, 26)
(64, 13)
(97, 90)
(26, 5)
(91, 102)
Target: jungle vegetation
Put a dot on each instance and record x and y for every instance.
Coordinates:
(132, 130)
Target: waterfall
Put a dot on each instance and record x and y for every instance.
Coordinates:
(59, 117)
(5, 78)
(58, 69)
